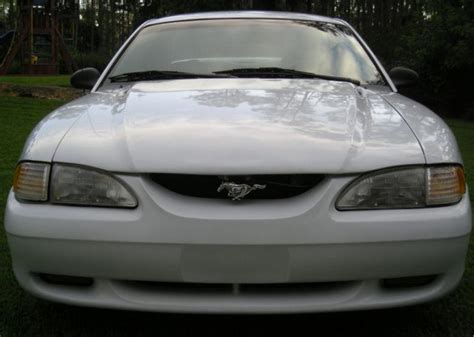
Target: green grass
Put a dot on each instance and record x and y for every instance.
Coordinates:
(55, 81)
(24, 316)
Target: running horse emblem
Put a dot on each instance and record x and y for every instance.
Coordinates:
(239, 191)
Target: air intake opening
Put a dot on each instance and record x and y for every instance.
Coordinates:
(296, 288)
(407, 282)
(179, 287)
(277, 186)
(281, 289)
(67, 280)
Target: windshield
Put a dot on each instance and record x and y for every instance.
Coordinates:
(211, 46)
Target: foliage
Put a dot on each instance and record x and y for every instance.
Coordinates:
(23, 315)
(441, 49)
(55, 81)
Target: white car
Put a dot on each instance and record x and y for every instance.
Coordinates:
(240, 162)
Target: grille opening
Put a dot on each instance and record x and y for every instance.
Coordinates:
(67, 280)
(407, 282)
(278, 186)
(242, 288)
(180, 287)
(294, 288)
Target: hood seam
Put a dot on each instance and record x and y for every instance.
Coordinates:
(409, 126)
(65, 134)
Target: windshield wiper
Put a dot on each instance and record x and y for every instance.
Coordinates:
(150, 75)
(283, 73)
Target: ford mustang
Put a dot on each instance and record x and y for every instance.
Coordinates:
(240, 162)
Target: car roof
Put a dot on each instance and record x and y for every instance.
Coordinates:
(244, 15)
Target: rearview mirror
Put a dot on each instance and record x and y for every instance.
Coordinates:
(403, 77)
(85, 78)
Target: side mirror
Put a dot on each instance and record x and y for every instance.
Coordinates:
(403, 77)
(85, 78)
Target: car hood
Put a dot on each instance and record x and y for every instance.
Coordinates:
(239, 126)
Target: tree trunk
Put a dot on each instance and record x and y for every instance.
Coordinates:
(92, 9)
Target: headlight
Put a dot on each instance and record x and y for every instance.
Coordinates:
(31, 181)
(70, 185)
(409, 187)
(75, 185)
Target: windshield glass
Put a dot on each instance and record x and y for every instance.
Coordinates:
(209, 46)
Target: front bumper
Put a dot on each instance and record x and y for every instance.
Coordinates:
(182, 254)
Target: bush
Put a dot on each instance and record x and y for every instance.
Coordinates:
(95, 60)
(441, 50)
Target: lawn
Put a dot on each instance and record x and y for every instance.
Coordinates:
(55, 81)
(24, 316)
